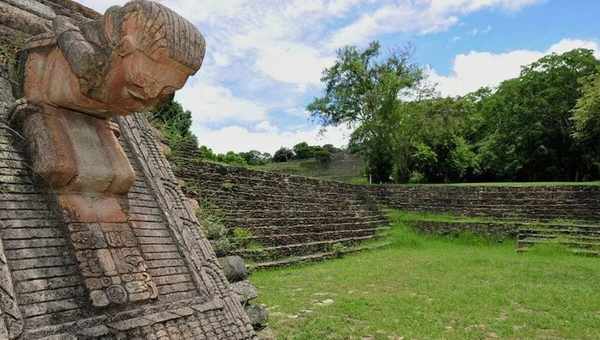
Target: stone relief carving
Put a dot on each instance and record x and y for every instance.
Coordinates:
(74, 80)
(11, 322)
(182, 221)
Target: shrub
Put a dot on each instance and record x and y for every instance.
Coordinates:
(338, 249)
(323, 157)
(222, 247)
(283, 155)
(215, 230)
(241, 237)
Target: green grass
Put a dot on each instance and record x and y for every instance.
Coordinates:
(519, 184)
(407, 216)
(343, 168)
(424, 287)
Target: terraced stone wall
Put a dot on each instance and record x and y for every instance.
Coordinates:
(288, 215)
(533, 202)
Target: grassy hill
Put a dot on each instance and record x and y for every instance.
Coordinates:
(344, 167)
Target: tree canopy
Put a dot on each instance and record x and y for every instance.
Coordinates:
(538, 126)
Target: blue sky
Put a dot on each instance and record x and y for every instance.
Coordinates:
(265, 57)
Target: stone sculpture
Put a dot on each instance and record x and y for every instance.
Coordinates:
(76, 84)
(74, 80)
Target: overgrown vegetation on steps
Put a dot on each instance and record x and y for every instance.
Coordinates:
(430, 287)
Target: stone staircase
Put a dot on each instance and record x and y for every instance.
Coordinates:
(581, 237)
(291, 218)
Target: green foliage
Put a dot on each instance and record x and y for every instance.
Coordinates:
(542, 125)
(174, 124)
(242, 238)
(363, 90)
(255, 157)
(338, 249)
(323, 157)
(223, 247)
(303, 151)
(587, 110)
(283, 155)
(215, 230)
(527, 129)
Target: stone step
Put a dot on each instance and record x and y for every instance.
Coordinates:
(549, 236)
(279, 203)
(272, 222)
(246, 214)
(584, 252)
(284, 239)
(268, 193)
(300, 249)
(314, 228)
(311, 258)
(551, 231)
(570, 243)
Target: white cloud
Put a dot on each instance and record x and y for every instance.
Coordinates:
(477, 69)
(566, 45)
(215, 103)
(292, 63)
(424, 16)
(266, 126)
(240, 139)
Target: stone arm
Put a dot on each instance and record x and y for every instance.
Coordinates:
(86, 59)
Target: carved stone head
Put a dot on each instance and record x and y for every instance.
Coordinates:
(129, 60)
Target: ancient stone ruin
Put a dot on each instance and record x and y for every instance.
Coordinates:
(292, 218)
(96, 238)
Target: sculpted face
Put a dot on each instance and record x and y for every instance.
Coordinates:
(137, 81)
(146, 53)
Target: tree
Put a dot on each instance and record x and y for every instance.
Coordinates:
(332, 149)
(303, 151)
(172, 118)
(323, 157)
(174, 124)
(231, 157)
(587, 110)
(283, 155)
(255, 157)
(205, 152)
(364, 91)
(528, 126)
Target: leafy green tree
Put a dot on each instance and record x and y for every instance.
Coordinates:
(283, 155)
(323, 157)
(174, 124)
(364, 90)
(331, 148)
(587, 110)
(255, 157)
(172, 118)
(231, 157)
(303, 151)
(528, 126)
(204, 152)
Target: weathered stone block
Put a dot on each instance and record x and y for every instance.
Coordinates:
(234, 268)
(245, 291)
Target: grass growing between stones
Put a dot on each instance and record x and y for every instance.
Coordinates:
(425, 287)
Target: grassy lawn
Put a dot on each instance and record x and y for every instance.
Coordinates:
(517, 184)
(423, 287)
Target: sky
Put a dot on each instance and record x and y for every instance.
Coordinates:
(265, 58)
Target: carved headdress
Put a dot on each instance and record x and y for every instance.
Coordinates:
(90, 46)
